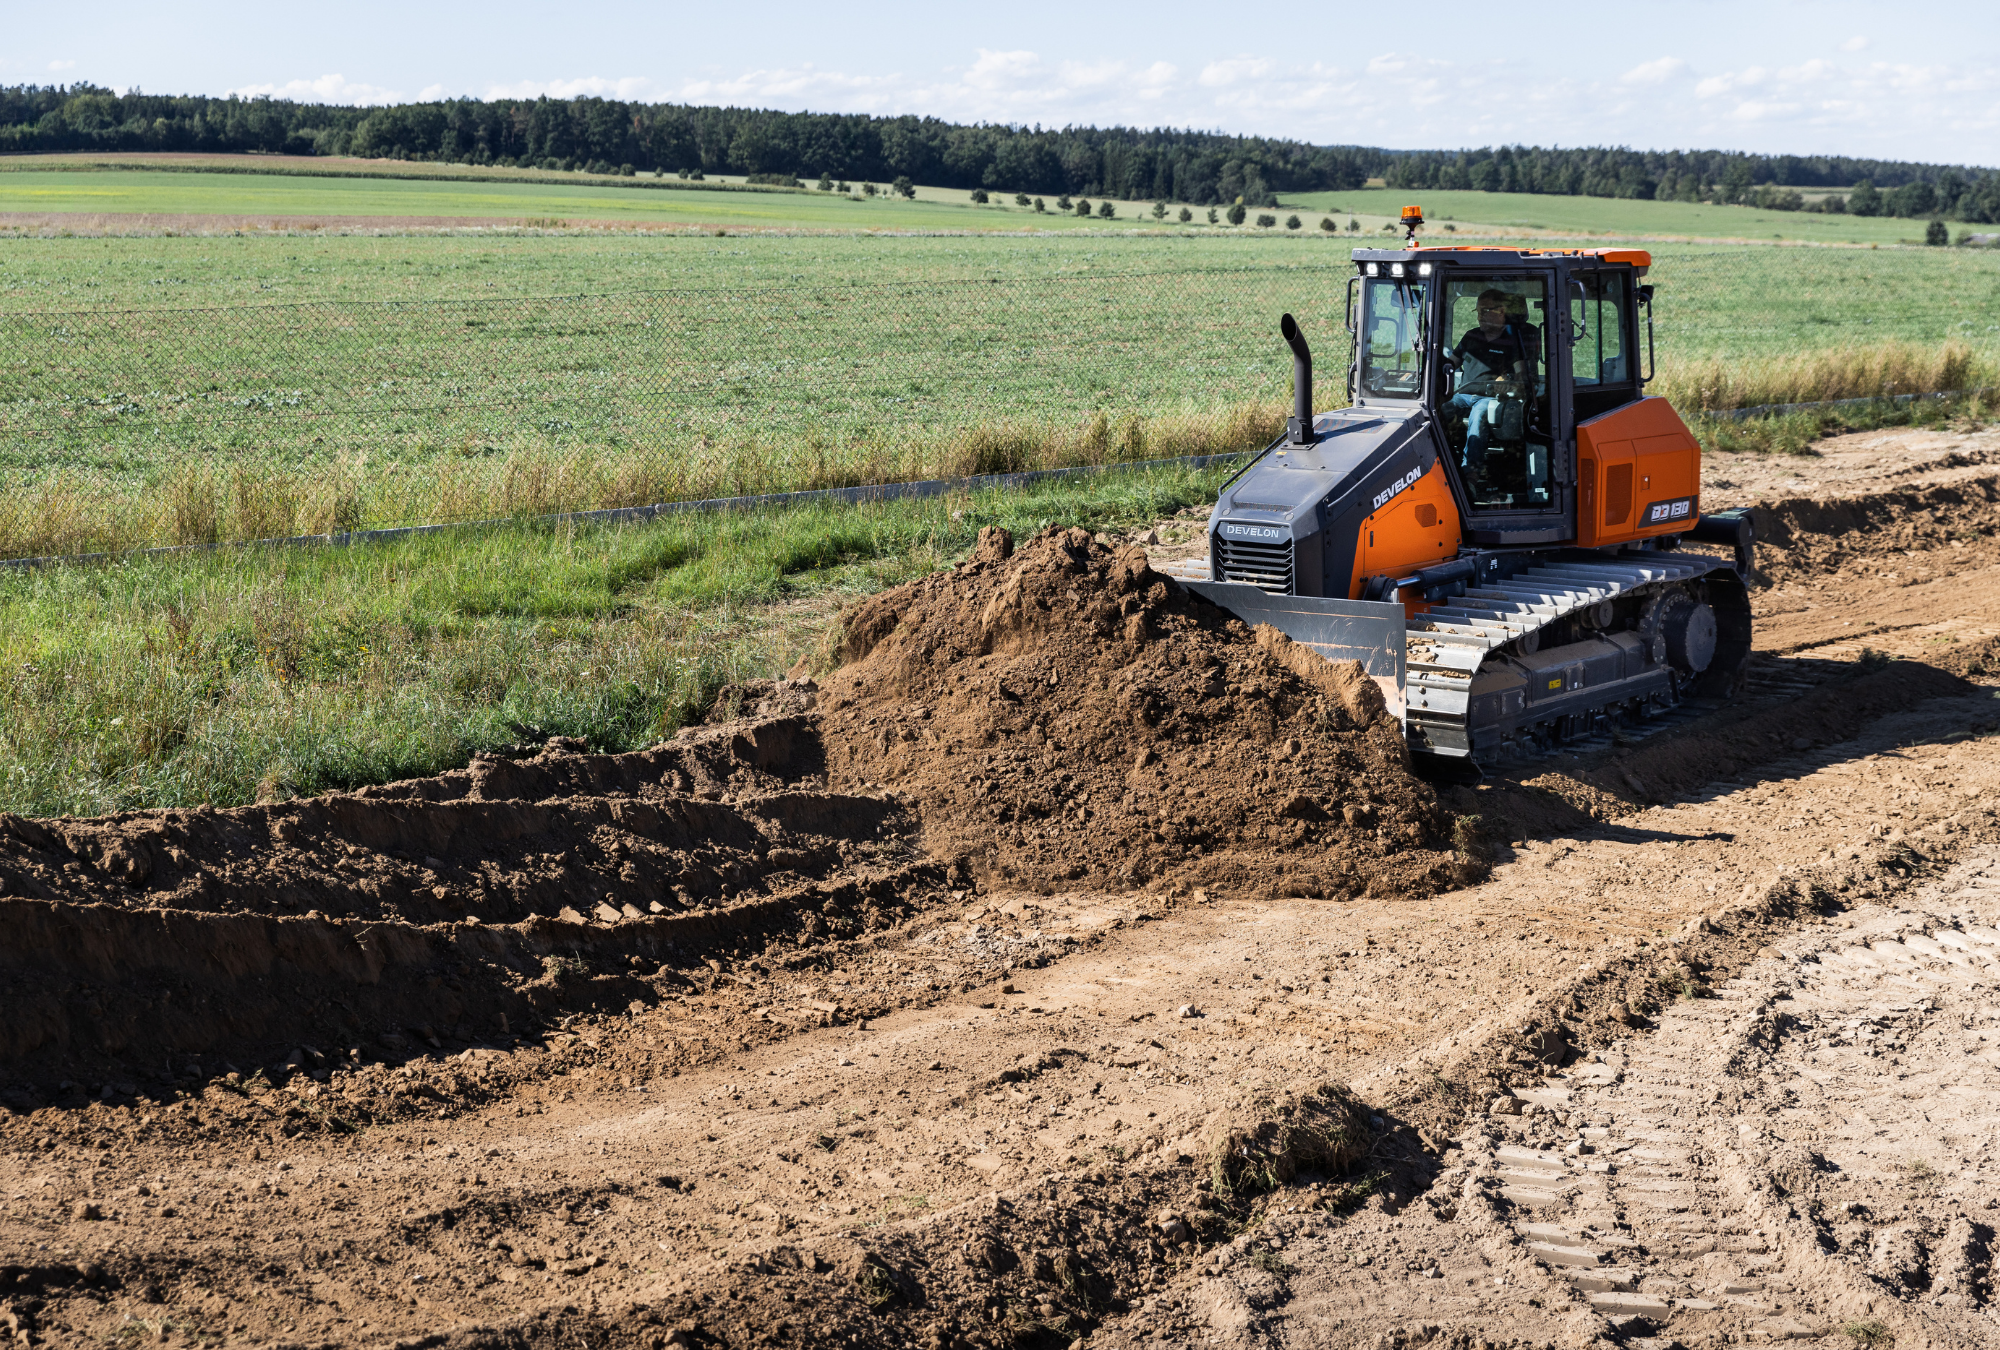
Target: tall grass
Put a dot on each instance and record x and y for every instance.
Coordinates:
(197, 502)
(238, 675)
(1884, 370)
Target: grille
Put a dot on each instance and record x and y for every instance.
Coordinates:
(1265, 566)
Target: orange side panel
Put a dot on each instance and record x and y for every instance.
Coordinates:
(1415, 528)
(1639, 474)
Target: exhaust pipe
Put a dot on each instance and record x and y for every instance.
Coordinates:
(1300, 429)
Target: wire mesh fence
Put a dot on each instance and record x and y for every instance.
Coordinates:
(138, 427)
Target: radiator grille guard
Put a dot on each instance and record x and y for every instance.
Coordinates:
(1268, 567)
(1368, 631)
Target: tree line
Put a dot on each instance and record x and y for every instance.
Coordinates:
(1161, 164)
(611, 134)
(1873, 187)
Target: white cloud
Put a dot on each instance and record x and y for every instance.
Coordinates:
(590, 86)
(1413, 97)
(1220, 74)
(325, 89)
(1857, 43)
(62, 65)
(1654, 72)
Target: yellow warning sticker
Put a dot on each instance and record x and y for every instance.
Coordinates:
(1556, 683)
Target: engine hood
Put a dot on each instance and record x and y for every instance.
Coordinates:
(1288, 493)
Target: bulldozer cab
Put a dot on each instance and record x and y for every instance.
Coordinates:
(1507, 351)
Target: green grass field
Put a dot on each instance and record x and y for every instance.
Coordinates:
(157, 389)
(553, 205)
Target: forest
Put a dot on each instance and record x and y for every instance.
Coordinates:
(1160, 164)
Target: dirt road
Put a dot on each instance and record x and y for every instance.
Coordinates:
(1732, 986)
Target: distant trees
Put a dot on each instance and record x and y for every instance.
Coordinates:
(1237, 213)
(1162, 164)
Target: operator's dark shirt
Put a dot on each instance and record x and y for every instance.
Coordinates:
(1518, 342)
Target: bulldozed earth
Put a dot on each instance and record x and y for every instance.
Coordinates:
(1059, 960)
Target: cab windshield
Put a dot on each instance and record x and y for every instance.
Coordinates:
(1391, 339)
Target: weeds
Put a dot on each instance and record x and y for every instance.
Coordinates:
(1870, 1333)
(564, 970)
(1271, 1262)
(262, 674)
(1794, 433)
(1351, 1195)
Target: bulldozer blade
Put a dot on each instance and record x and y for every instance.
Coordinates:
(1368, 631)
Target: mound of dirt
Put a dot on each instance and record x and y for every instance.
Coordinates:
(1066, 717)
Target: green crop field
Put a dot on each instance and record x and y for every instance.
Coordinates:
(282, 189)
(305, 190)
(159, 389)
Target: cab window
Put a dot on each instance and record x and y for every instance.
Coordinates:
(1391, 359)
(1602, 363)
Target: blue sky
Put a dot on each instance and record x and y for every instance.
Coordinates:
(1904, 82)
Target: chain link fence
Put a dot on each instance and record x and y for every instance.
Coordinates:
(145, 427)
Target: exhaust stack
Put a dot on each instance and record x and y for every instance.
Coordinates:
(1300, 429)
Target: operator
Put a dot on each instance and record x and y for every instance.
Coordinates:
(1496, 361)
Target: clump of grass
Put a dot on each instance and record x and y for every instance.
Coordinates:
(1321, 1130)
(1869, 1333)
(1794, 433)
(1271, 1262)
(239, 675)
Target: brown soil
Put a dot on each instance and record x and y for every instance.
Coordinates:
(855, 1084)
(1067, 716)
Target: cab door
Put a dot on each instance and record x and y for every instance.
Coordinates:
(1503, 402)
